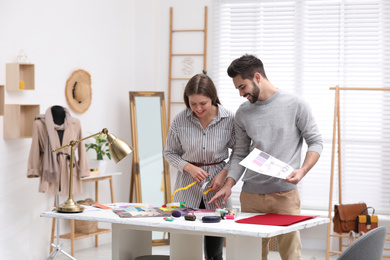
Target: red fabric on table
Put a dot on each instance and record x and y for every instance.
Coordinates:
(271, 219)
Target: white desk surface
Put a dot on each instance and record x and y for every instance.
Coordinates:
(180, 225)
(102, 175)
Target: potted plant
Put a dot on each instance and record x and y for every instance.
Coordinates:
(101, 148)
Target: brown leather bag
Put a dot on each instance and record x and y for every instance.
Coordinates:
(345, 215)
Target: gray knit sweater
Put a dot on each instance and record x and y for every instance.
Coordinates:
(276, 126)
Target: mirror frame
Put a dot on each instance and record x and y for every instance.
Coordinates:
(135, 175)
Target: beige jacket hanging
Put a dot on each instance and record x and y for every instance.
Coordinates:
(39, 153)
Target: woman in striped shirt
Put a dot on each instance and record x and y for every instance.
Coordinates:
(198, 142)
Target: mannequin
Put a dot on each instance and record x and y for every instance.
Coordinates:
(58, 113)
(52, 130)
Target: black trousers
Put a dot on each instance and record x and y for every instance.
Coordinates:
(213, 246)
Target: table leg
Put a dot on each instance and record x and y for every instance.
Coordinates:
(184, 246)
(96, 200)
(96, 191)
(128, 243)
(53, 225)
(239, 247)
(112, 190)
(72, 236)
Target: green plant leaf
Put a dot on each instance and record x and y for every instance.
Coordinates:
(100, 147)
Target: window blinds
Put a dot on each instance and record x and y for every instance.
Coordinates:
(307, 47)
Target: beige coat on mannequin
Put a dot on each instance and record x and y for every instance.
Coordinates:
(39, 152)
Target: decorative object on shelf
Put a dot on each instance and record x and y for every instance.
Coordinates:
(22, 57)
(21, 84)
(93, 172)
(78, 91)
(100, 165)
(102, 150)
(119, 149)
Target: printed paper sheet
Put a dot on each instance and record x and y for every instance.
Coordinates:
(264, 163)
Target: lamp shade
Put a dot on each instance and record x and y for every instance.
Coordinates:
(119, 149)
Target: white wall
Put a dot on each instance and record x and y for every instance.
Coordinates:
(124, 45)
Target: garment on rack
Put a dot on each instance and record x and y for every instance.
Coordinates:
(53, 168)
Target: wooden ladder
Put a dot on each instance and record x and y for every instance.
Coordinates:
(177, 89)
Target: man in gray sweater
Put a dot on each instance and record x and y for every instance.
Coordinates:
(275, 122)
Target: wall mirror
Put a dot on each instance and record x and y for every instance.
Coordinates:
(150, 171)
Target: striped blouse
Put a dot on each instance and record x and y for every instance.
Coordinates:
(188, 141)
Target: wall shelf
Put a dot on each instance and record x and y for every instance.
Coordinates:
(20, 76)
(19, 120)
(2, 100)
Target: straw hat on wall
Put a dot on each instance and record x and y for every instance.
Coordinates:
(78, 91)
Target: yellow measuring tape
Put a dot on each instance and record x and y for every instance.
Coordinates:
(207, 191)
(186, 187)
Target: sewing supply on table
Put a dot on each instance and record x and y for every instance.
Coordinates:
(190, 217)
(179, 213)
(211, 219)
(180, 204)
(222, 211)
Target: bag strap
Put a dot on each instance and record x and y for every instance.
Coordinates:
(373, 210)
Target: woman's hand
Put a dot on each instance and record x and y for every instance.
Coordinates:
(197, 173)
(218, 180)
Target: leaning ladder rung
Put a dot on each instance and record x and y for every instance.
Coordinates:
(187, 54)
(180, 78)
(199, 30)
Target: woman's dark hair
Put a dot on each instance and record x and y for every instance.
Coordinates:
(246, 66)
(201, 84)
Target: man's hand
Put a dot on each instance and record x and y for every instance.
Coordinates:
(224, 193)
(218, 180)
(295, 176)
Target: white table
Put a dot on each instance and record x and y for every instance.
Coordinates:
(132, 237)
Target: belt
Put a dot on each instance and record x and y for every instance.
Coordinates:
(205, 164)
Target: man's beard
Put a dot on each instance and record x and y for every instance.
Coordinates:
(256, 93)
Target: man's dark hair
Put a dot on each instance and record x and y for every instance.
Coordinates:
(246, 66)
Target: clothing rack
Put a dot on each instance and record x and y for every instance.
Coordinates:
(336, 127)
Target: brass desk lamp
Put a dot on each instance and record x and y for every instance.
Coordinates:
(119, 149)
